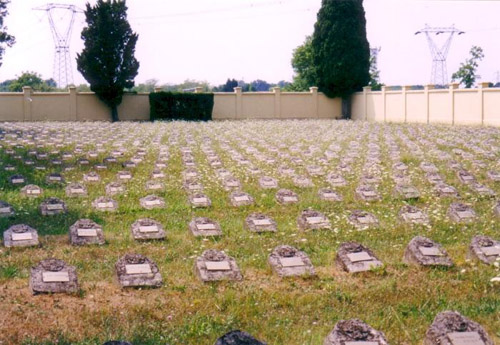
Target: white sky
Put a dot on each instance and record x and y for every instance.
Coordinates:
(214, 40)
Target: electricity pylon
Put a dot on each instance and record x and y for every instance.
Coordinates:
(61, 33)
(439, 74)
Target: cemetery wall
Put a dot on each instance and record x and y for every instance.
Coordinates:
(451, 106)
(240, 105)
(85, 106)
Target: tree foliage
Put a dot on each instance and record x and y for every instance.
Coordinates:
(6, 40)
(32, 79)
(466, 74)
(107, 61)
(341, 52)
(228, 86)
(303, 66)
(374, 72)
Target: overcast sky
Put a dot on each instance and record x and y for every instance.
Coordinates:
(214, 40)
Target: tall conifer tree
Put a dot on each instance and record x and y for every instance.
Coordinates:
(107, 61)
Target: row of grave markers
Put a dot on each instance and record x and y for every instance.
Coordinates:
(135, 270)
(448, 328)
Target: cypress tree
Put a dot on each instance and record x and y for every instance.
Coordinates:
(107, 61)
(341, 52)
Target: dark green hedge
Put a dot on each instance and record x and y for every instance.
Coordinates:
(181, 106)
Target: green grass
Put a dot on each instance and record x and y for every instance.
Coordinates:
(398, 299)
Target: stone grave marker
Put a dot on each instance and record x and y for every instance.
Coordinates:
(84, 232)
(124, 175)
(363, 220)
(191, 173)
(76, 189)
(151, 202)
(401, 179)
(428, 167)
(452, 328)
(461, 213)
(91, 177)
(199, 200)
(481, 189)
(336, 180)
(204, 227)
(353, 257)
(129, 164)
(286, 196)
(147, 229)
(354, 332)
(444, 190)
(135, 270)
(155, 185)
(370, 179)
(413, 215)
(17, 180)
(100, 166)
(425, 252)
(259, 222)
(214, 265)
(238, 338)
(286, 171)
(434, 178)
(6, 209)
(32, 191)
(105, 204)
(328, 194)
(193, 185)
(315, 170)
(20, 235)
(54, 178)
(484, 249)
(52, 206)
(313, 220)
(406, 192)
(53, 276)
(302, 181)
(367, 193)
(465, 177)
(288, 261)
(9, 167)
(267, 182)
(493, 175)
(240, 198)
(231, 183)
(115, 188)
(157, 174)
(497, 209)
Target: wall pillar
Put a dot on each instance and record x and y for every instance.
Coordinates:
(427, 103)
(366, 90)
(451, 89)
(277, 102)
(198, 89)
(480, 91)
(27, 102)
(239, 104)
(73, 104)
(405, 101)
(384, 102)
(315, 107)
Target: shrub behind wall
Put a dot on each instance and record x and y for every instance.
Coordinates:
(181, 106)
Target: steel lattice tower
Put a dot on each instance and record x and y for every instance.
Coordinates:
(439, 75)
(63, 73)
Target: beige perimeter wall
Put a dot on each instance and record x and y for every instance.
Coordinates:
(479, 106)
(275, 105)
(85, 106)
(451, 106)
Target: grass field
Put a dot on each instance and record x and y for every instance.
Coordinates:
(398, 299)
